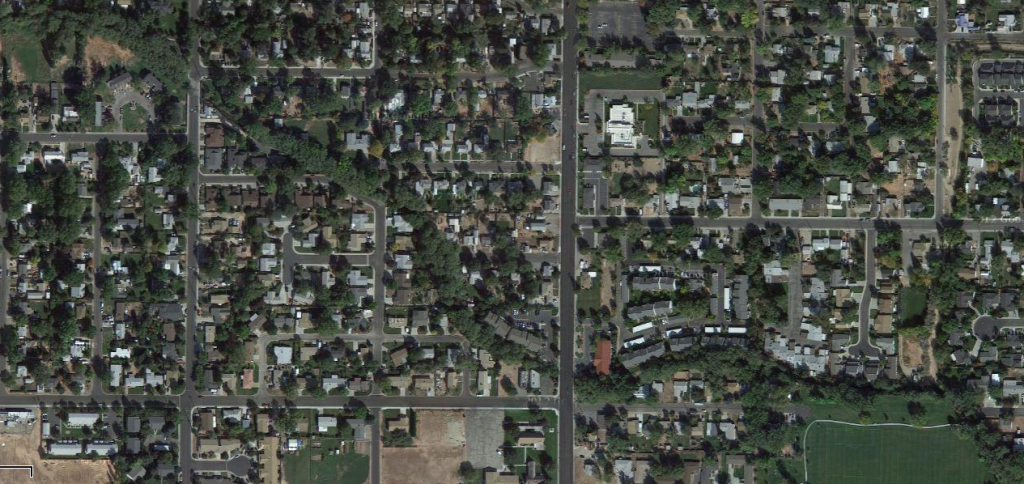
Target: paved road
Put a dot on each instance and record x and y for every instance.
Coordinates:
(864, 346)
(375, 447)
(987, 328)
(5, 290)
(795, 298)
(940, 137)
(188, 399)
(191, 400)
(795, 223)
(481, 167)
(97, 300)
(566, 291)
(53, 138)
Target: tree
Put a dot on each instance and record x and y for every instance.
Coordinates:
(749, 18)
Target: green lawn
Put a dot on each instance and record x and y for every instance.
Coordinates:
(886, 409)
(346, 468)
(134, 121)
(29, 55)
(649, 118)
(913, 302)
(619, 80)
(781, 471)
(843, 454)
(318, 129)
(590, 299)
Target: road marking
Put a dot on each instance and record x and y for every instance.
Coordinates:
(31, 469)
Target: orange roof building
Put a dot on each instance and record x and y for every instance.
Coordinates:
(603, 357)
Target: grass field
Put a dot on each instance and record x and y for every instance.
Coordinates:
(619, 80)
(590, 299)
(29, 55)
(346, 468)
(318, 129)
(843, 454)
(134, 121)
(781, 471)
(913, 302)
(650, 120)
(886, 409)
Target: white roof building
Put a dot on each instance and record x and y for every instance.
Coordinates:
(82, 419)
(621, 126)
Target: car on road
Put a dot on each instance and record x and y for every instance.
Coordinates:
(53, 135)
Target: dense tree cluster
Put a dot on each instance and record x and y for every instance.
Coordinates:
(61, 26)
(322, 33)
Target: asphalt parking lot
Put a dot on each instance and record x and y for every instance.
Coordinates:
(619, 20)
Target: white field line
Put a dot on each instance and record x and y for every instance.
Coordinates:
(808, 429)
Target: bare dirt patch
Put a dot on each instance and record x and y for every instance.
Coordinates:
(440, 427)
(437, 452)
(510, 372)
(911, 355)
(954, 124)
(544, 152)
(24, 450)
(581, 475)
(898, 187)
(607, 288)
(104, 52)
(647, 166)
(885, 79)
(425, 465)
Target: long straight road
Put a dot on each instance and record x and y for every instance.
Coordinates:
(97, 298)
(567, 289)
(5, 295)
(942, 39)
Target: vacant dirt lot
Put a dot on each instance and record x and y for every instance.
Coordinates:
(425, 465)
(104, 52)
(581, 475)
(510, 372)
(437, 452)
(608, 288)
(954, 123)
(440, 427)
(911, 355)
(544, 152)
(24, 450)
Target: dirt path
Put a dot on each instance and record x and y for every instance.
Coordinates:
(954, 122)
(608, 288)
(933, 367)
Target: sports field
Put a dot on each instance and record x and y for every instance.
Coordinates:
(843, 454)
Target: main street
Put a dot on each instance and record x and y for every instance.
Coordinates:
(567, 284)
